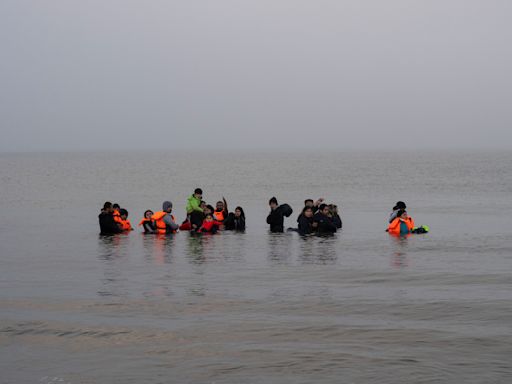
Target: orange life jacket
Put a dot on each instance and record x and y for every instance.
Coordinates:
(126, 225)
(394, 226)
(158, 217)
(117, 217)
(218, 215)
(144, 220)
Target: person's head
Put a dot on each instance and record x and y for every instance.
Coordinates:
(402, 213)
(198, 192)
(307, 211)
(219, 206)
(107, 207)
(123, 213)
(333, 208)
(239, 212)
(208, 217)
(167, 206)
(399, 205)
(203, 205)
(148, 214)
(273, 203)
(309, 203)
(209, 209)
(324, 208)
(116, 207)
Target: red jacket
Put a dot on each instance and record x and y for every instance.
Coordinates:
(207, 226)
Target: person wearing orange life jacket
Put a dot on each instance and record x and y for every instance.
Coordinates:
(402, 225)
(147, 223)
(164, 221)
(108, 226)
(221, 210)
(117, 214)
(125, 223)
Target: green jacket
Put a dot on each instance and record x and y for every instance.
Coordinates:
(193, 204)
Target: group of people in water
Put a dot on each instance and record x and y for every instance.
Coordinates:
(316, 217)
(201, 217)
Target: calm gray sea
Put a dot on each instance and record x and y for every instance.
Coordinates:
(358, 307)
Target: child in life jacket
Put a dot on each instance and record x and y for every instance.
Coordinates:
(148, 224)
(402, 224)
(209, 224)
(117, 214)
(125, 223)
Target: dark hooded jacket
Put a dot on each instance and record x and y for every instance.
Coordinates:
(325, 224)
(233, 223)
(276, 220)
(336, 219)
(305, 226)
(108, 225)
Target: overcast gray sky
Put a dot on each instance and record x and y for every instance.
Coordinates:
(98, 74)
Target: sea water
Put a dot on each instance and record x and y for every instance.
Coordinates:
(255, 307)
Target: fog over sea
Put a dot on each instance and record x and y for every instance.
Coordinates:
(255, 307)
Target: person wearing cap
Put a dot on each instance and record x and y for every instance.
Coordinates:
(164, 221)
(195, 213)
(275, 218)
(400, 205)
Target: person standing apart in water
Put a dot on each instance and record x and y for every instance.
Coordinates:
(402, 224)
(276, 216)
(400, 205)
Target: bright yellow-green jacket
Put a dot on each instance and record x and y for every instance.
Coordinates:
(193, 204)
